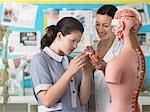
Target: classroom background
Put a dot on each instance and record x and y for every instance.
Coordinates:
(27, 21)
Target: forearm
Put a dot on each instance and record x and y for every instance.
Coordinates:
(85, 88)
(103, 66)
(54, 93)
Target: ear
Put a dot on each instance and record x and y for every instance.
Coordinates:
(121, 25)
(59, 35)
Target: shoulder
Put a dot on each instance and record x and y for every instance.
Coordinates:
(113, 72)
(38, 58)
(113, 66)
(110, 65)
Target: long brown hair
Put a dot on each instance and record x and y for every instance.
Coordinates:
(66, 25)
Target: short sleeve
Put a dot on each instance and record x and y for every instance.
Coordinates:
(40, 73)
(112, 75)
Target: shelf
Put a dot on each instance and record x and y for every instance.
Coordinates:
(143, 100)
(21, 99)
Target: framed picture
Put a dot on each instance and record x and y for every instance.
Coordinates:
(24, 43)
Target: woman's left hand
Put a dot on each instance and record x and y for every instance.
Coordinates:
(99, 64)
(88, 68)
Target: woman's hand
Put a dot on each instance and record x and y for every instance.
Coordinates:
(88, 68)
(77, 63)
(99, 64)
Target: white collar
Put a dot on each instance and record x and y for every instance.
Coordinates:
(114, 50)
(52, 54)
(117, 44)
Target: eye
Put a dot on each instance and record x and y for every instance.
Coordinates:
(73, 40)
(78, 41)
(106, 26)
(97, 24)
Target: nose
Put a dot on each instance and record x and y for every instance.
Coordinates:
(100, 29)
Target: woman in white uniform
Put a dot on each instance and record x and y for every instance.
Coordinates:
(107, 48)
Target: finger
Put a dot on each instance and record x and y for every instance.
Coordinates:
(82, 65)
(81, 58)
(93, 53)
(78, 55)
(94, 60)
(93, 56)
(79, 65)
(90, 61)
(81, 61)
(95, 65)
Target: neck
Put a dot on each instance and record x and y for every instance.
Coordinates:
(134, 42)
(127, 42)
(108, 39)
(56, 49)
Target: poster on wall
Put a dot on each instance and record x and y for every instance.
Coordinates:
(144, 40)
(51, 17)
(24, 43)
(142, 8)
(15, 81)
(18, 75)
(95, 37)
(19, 14)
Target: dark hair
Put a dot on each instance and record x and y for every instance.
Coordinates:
(109, 10)
(66, 26)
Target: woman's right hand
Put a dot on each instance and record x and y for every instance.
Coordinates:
(77, 63)
(99, 64)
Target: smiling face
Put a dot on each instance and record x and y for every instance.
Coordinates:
(103, 26)
(68, 43)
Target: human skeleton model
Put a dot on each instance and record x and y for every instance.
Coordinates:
(4, 32)
(126, 72)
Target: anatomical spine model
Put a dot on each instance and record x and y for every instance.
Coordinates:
(126, 24)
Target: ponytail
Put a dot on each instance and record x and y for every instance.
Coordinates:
(49, 37)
